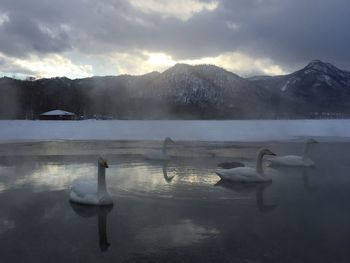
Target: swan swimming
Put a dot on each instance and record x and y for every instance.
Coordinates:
(163, 155)
(247, 174)
(92, 192)
(295, 160)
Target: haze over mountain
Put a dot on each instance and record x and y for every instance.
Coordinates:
(184, 91)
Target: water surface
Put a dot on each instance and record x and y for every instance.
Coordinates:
(175, 211)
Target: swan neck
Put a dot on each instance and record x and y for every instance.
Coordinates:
(101, 179)
(306, 151)
(259, 167)
(164, 148)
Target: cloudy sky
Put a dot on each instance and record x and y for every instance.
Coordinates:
(80, 38)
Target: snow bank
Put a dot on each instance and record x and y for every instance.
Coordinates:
(17, 130)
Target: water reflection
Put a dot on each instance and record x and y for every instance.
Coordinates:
(306, 181)
(245, 188)
(303, 173)
(174, 213)
(101, 212)
(167, 178)
(182, 233)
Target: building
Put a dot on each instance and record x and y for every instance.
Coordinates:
(57, 115)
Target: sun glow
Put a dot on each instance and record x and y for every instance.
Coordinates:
(160, 59)
(180, 9)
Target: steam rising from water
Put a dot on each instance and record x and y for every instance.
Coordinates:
(179, 130)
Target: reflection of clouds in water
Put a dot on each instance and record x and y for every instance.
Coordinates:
(181, 234)
(6, 224)
(146, 180)
(53, 176)
(130, 177)
(194, 178)
(2, 187)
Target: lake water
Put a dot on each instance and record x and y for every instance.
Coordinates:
(175, 211)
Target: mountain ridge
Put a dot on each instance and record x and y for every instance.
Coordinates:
(184, 91)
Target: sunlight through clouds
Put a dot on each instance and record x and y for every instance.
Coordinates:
(144, 62)
(54, 66)
(181, 9)
(236, 62)
(3, 18)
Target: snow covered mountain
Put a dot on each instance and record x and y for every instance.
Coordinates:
(207, 90)
(317, 87)
(184, 91)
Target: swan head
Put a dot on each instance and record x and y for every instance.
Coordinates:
(168, 140)
(311, 141)
(103, 162)
(266, 152)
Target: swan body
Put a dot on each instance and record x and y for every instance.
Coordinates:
(291, 160)
(295, 160)
(163, 155)
(247, 174)
(92, 192)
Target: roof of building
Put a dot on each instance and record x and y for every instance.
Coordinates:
(57, 112)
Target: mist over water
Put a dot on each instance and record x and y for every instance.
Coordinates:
(301, 217)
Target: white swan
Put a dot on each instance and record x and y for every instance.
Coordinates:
(92, 192)
(163, 155)
(295, 160)
(247, 174)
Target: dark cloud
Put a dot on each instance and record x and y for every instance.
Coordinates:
(291, 33)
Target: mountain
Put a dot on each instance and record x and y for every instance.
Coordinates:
(186, 92)
(208, 91)
(317, 87)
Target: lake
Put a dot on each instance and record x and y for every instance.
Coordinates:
(173, 211)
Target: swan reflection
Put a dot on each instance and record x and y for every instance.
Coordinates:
(306, 182)
(101, 212)
(244, 188)
(304, 172)
(167, 178)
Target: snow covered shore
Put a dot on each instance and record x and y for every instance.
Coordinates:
(247, 130)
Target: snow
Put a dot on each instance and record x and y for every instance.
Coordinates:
(246, 130)
(57, 112)
(285, 86)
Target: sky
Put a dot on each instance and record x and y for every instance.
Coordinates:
(83, 38)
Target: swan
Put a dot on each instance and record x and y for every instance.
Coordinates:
(162, 156)
(92, 192)
(295, 160)
(247, 174)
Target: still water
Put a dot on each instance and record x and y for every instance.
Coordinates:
(175, 211)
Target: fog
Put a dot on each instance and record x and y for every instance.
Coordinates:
(180, 130)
